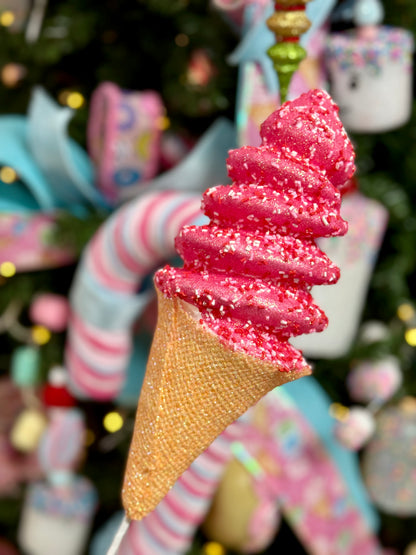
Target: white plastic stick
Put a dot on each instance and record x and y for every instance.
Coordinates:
(118, 538)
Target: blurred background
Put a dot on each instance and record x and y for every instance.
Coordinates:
(104, 101)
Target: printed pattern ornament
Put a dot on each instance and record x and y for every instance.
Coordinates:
(389, 460)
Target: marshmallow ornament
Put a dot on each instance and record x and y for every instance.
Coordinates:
(371, 77)
(50, 310)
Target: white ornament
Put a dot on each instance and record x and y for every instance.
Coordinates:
(368, 12)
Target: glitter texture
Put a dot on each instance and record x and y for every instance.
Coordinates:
(249, 272)
(193, 389)
(225, 318)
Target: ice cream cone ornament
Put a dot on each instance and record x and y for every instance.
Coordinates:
(226, 317)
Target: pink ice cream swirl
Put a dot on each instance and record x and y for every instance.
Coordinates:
(250, 270)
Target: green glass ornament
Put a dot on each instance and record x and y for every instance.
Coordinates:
(286, 57)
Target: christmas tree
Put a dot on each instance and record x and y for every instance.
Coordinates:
(54, 58)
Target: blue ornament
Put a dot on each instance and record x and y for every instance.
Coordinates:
(25, 366)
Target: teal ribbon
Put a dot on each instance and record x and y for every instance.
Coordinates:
(54, 172)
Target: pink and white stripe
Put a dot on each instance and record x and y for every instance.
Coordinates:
(62, 442)
(135, 240)
(169, 529)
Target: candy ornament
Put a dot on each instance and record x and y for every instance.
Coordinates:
(28, 429)
(214, 337)
(355, 429)
(104, 299)
(57, 512)
(109, 293)
(20, 431)
(50, 310)
(374, 380)
(30, 424)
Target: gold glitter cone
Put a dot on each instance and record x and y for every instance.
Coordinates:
(193, 389)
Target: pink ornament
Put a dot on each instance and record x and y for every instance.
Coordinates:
(200, 69)
(62, 444)
(51, 311)
(356, 429)
(374, 380)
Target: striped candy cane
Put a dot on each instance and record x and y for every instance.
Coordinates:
(169, 529)
(104, 300)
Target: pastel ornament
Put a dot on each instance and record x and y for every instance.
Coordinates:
(239, 518)
(389, 460)
(55, 393)
(362, 72)
(28, 430)
(50, 310)
(374, 380)
(124, 133)
(354, 430)
(373, 331)
(25, 365)
(58, 511)
(62, 445)
(105, 302)
(55, 521)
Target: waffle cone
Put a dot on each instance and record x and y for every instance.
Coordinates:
(193, 389)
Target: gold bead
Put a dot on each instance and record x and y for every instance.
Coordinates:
(290, 3)
(288, 24)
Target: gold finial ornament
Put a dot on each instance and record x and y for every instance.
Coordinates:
(287, 23)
